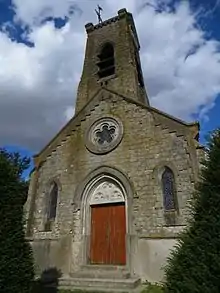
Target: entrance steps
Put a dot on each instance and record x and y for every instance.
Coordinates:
(101, 278)
(106, 272)
(104, 285)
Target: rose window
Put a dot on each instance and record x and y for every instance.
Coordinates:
(104, 135)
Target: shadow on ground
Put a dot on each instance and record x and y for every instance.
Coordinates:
(48, 281)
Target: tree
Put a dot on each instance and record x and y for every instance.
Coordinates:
(194, 265)
(16, 261)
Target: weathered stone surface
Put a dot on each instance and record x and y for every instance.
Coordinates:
(120, 32)
(151, 140)
(123, 285)
(145, 147)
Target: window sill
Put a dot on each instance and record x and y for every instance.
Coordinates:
(174, 229)
(45, 236)
(105, 79)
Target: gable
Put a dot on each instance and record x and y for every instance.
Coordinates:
(160, 119)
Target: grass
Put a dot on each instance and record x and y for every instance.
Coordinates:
(150, 288)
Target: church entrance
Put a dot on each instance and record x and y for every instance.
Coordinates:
(108, 234)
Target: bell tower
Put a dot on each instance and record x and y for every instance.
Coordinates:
(112, 60)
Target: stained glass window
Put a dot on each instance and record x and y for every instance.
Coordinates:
(168, 184)
(52, 207)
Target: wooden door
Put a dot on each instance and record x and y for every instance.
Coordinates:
(117, 255)
(99, 247)
(108, 231)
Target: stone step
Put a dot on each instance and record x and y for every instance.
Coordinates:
(105, 267)
(100, 284)
(101, 274)
(106, 272)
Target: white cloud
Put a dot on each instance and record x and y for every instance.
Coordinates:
(33, 12)
(38, 85)
(178, 82)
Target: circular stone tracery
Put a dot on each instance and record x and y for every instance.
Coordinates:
(104, 135)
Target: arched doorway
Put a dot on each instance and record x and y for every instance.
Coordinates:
(105, 219)
(108, 224)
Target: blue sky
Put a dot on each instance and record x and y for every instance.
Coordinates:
(41, 55)
(210, 23)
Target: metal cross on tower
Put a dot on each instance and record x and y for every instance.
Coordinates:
(98, 12)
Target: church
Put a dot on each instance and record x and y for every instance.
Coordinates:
(109, 194)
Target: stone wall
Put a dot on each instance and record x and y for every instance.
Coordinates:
(117, 31)
(146, 146)
(151, 258)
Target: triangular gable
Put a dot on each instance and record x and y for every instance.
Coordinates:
(174, 124)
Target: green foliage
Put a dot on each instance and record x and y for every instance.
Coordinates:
(153, 288)
(194, 266)
(150, 288)
(16, 262)
(80, 291)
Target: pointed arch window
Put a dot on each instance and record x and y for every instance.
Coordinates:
(106, 63)
(169, 190)
(51, 206)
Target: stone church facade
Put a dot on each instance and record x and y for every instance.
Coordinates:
(109, 194)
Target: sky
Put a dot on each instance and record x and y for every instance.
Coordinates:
(42, 47)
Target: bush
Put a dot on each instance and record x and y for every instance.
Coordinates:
(194, 266)
(16, 262)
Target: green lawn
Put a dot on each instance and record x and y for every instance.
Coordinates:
(39, 288)
(149, 289)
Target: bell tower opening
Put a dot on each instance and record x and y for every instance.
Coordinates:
(112, 56)
(106, 63)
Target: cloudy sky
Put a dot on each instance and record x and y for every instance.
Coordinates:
(42, 46)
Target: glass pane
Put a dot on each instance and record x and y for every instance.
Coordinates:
(168, 189)
(53, 202)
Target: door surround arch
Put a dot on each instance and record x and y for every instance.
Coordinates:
(83, 200)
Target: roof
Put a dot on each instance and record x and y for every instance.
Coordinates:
(161, 118)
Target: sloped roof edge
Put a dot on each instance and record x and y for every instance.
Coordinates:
(79, 115)
(67, 124)
(150, 108)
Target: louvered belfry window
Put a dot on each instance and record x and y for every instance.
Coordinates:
(106, 63)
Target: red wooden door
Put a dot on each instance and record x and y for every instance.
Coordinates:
(117, 255)
(108, 230)
(99, 249)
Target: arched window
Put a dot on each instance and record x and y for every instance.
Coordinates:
(169, 190)
(106, 63)
(51, 206)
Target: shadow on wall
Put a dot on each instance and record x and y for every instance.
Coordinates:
(48, 281)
